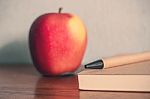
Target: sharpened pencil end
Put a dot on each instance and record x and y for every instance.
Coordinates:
(98, 64)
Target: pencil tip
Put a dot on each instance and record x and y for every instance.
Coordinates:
(98, 64)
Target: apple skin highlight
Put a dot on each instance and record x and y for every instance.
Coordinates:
(57, 43)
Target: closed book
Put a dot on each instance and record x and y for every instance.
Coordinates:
(131, 77)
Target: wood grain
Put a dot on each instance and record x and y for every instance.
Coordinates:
(24, 82)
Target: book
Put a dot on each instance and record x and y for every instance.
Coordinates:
(131, 77)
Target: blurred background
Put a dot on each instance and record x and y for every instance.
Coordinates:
(114, 26)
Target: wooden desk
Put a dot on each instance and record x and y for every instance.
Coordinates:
(24, 82)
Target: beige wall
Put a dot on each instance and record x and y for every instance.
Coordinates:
(114, 26)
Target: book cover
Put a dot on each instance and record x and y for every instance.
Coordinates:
(132, 77)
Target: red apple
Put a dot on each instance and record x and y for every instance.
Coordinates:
(57, 43)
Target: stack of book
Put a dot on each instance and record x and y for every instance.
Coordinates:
(131, 77)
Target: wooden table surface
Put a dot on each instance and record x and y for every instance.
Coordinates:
(24, 82)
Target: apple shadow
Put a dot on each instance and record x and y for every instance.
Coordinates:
(16, 52)
(15, 58)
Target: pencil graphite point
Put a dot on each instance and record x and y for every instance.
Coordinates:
(98, 64)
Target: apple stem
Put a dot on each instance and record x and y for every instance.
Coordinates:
(60, 9)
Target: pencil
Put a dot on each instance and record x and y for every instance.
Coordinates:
(119, 60)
